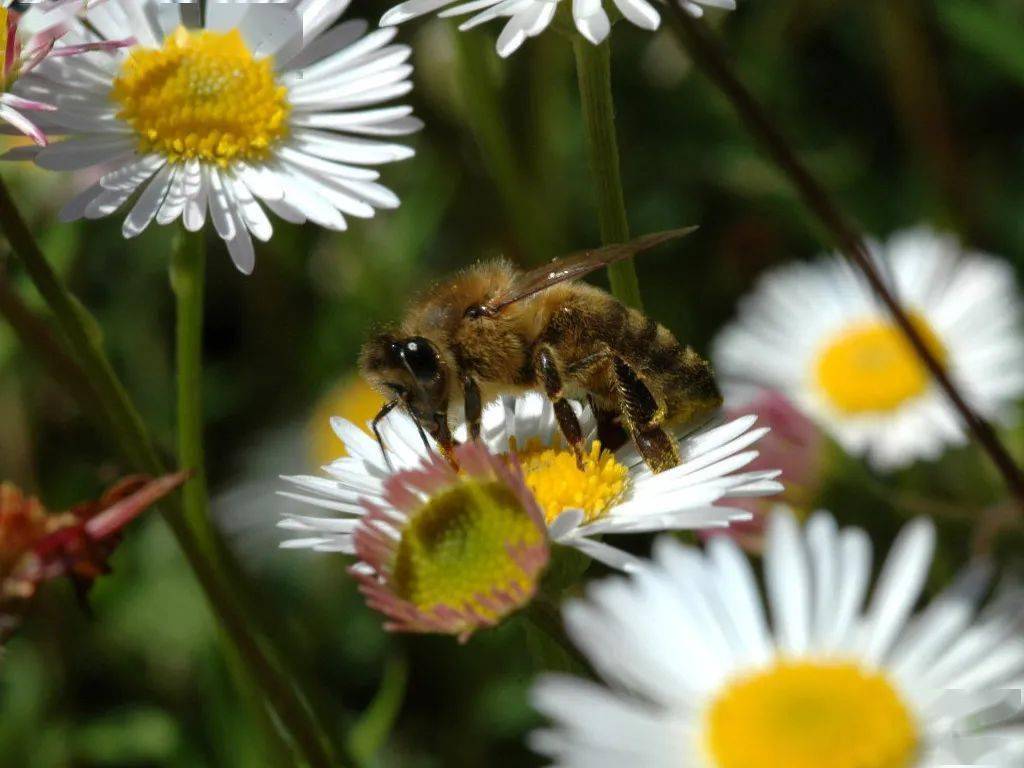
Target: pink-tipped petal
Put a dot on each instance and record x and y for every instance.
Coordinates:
(23, 124)
(115, 517)
(105, 45)
(17, 102)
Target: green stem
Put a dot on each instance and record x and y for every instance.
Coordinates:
(549, 644)
(35, 334)
(187, 281)
(81, 334)
(594, 73)
(187, 274)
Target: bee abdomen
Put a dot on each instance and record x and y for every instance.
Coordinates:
(683, 378)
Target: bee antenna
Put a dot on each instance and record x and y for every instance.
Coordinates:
(423, 394)
(387, 408)
(423, 437)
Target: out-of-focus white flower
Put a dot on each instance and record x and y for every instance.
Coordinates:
(695, 676)
(816, 334)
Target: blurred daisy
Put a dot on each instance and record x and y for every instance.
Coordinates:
(696, 678)
(528, 18)
(267, 106)
(814, 333)
(614, 493)
(20, 57)
(37, 546)
(450, 552)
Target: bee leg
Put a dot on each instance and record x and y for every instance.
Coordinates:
(385, 409)
(643, 416)
(546, 366)
(443, 435)
(473, 407)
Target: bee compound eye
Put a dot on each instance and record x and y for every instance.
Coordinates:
(421, 358)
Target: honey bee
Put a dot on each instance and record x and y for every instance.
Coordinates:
(493, 329)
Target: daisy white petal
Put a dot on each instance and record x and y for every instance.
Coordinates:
(528, 18)
(608, 497)
(834, 353)
(694, 677)
(144, 85)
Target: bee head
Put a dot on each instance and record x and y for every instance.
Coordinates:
(410, 368)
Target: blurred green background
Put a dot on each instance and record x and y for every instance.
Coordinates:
(911, 112)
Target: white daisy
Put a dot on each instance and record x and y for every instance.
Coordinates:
(815, 333)
(615, 493)
(696, 678)
(528, 18)
(268, 105)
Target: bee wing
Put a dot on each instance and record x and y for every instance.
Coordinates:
(578, 264)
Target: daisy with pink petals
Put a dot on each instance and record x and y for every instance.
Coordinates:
(450, 552)
(21, 57)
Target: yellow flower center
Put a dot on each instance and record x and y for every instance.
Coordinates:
(202, 96)
(558, 484)
(871, 367)
(811, 715)
(458, 549)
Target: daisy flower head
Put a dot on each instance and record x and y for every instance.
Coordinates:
(815, 333)
(528, 18)
(614, 493)
(696, 675)
(438, 550)
(37, 546)
(266, 107)
(20, 57)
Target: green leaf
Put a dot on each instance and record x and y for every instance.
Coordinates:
(988, 31)
(144, 735)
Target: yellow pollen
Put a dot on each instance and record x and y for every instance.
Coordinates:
(202, 96)
(871, 367)
(456, 548)
(811, 715)
(558, 484)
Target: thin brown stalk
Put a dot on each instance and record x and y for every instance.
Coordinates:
(708, 55)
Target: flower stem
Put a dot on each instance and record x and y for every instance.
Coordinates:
(80, 332)
(187, 272)
(83, 336)
(594, 73)
(707, 53)
(552, 645)
(35, 334)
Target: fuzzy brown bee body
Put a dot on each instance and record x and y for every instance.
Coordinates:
(477, 336)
